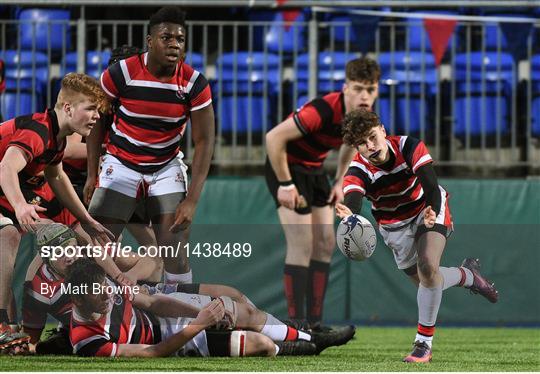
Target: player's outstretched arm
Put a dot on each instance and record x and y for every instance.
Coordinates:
(164, 306)
(63, 189)
(94, 143)
(12, 163)
(208, 316)
(203, 135)
(346, 154)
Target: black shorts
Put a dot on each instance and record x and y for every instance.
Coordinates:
(313, 185)
(218, 342)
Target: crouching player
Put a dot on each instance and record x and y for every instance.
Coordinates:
(32, 144)
(134, 324)
(396, 174)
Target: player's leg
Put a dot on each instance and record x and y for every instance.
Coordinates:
(324, 243)
(167, 188)
(239, 343)
(115, 199)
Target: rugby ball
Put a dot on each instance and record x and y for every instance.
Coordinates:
(356, 237)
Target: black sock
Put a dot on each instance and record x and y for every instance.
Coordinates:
(316, 289)
(295, 279)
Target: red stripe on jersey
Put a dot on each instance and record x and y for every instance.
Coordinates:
(320, 122)
(35, 135)
(151, 101)
(395, 193)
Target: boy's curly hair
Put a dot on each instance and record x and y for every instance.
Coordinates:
(357, 124)
(78, 83)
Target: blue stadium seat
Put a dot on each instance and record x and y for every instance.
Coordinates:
(196, 61)
(26, 77)
(42, 28)
(249, 84)
(535, 103)
(96, 62)
(411, 80)
(289, 38)
(483, 96)
(331, 67)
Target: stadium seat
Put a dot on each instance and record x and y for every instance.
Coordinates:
(26, 77)
(196, 61)
(249, 85)
(44, 28)
(410, 79)
(96, 62)
(535, 103)
(331, 76)
(287, 39)
(484, 94)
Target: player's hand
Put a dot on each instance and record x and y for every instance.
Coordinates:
(125, 280)
(289, 198)
(336, 193)
(99, 234)
(27, 216)
(88, 190)
(429, 217)
(183, 216)
(342, 210)
(211, 314)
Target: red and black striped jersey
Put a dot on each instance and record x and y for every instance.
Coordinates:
(396, 194)
(151, 115)
(319, 121)
(44, 295)
(35, 135)
(43, 196)
(123, 324)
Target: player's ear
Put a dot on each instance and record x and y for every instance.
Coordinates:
(149, 41)
(68, 109)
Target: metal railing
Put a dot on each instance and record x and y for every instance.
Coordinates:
(469, 113)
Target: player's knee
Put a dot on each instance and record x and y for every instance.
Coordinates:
(263, 345)
(427, 270)
(326, 243)
(10, 238)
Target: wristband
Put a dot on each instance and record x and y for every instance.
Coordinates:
(287, 188)
(286, 183)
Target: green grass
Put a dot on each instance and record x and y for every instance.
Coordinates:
(373, 349)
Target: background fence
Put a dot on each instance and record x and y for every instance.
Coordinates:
(479, 105)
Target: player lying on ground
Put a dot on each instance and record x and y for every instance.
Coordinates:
(35, 143)
(108, 322)
(43, 294)
(396, 174)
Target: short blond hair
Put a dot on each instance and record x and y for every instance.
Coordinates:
(75, 85)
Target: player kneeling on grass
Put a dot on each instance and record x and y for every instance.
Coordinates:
(396, 174)
(108, 321)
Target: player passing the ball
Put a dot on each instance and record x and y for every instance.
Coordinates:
(411, 209)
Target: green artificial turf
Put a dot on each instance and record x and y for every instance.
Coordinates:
(373, 349)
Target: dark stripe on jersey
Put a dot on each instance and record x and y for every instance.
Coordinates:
(324, 109)
(314, 143)
(91, 349)
(137, 331)
(155, 327)
(27, 123)
(408, 149)
(390, 179)
(150, 124)
(146, 168)
(359, 173)
(299, 125)
(124, 144)
(117, 77)
(25, 146)
(116, 318)
(198, 86)
(48, 157)
(154, 94)
(389, 215)
(386, 199)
